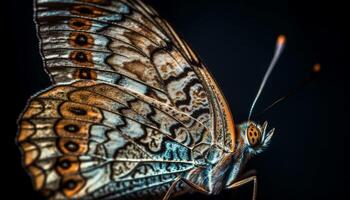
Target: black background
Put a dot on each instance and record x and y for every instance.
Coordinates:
(306, 159)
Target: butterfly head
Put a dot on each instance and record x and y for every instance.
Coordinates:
(255, 136)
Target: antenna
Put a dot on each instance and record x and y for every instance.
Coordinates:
(315, 70)
(281, 41)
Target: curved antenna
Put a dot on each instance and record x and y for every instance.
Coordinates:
(281, 41)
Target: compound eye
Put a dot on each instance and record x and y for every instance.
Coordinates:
(253, 135)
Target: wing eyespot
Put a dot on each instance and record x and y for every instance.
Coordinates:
(67, 165)
(80, 39)
(64, 164)
(77, 111)
(87, 11)
(79, 24)
(72, 128)
(72, 185)
(80, 57)
(83, 58)
(71, 146)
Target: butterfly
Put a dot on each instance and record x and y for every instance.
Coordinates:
(132, 112)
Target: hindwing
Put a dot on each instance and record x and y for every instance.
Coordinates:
(82, 139)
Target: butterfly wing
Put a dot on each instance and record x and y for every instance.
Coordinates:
(223, 125)
(145, 100)
(90, 140)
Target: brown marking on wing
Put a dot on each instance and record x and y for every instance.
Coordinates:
(154, 95)
(38, 176)
(31, 153)
(71, 146)
(80, 39)
(81, 112)
(136, 67)
(67, 165)
(26, 131)
(135, 39)
(69, 128)
(86, 11)
(34, 109)
(85, 73)
(72, 185)
(79, 24)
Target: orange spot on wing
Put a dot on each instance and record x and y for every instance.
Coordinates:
(72, 185)
(72, 128)
(31, 153)
(81, 112)
(38, 176)
(26, 130)
(74, 147)
(68, 165)
(34, 108)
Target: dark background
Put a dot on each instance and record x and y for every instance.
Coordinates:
(306, 159)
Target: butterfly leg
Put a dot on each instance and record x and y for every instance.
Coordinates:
(244, 181)
(171, 188)
(190, 184)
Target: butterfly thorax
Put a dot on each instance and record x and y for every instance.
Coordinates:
(238, 159)
(217, 167)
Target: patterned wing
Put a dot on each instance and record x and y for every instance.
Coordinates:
(144, 102)
(92, 140)
(223, 130)
(125, 42)
(114, 41)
